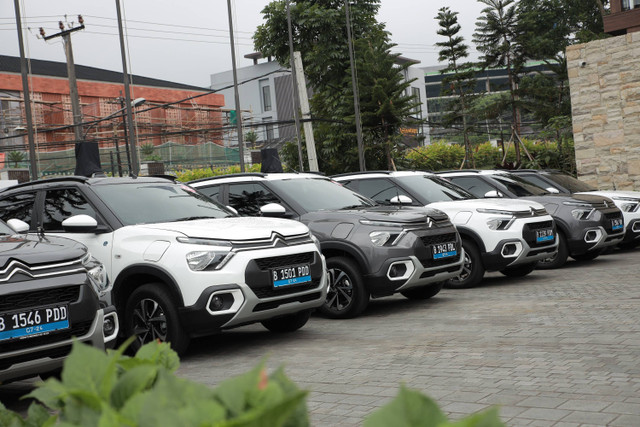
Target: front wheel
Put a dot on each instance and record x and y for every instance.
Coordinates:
(423, 292)
(559, 259)
(347, 296)
(472, 268)
(519, 270)
(289, 323)
(150, 316)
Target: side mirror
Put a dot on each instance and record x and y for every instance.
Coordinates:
(232, 209)
(273, 210)
(18, 225)
(553, 190)
(492, 194)
(80, 224)
(401, 200)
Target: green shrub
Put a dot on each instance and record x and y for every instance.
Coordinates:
(437, 156)
(194, 174)
(113, 390)
(16, 157)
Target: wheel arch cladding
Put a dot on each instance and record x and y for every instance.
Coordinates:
(135, 276)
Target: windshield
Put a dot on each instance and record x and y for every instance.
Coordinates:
(314, 194)
(433, 189)
(519, 186)
(572, 184)
(158, 202)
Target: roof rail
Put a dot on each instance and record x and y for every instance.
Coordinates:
(458, 170)
(76, 178)
(260, 174)
(360, 173)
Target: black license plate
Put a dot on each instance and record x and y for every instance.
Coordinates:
(444, 250)
(544, 235)
(617, 224)
(33, 322)
(293, 275)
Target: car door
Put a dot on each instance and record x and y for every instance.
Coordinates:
(62, 203)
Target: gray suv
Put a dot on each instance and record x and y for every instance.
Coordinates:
(371, 250)
(50, 294)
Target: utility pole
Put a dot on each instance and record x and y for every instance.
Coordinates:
(356, 96)
(131, 143)
(27, 96)
(235, 90)
(306, 114)
(71, 73)
(294, 82)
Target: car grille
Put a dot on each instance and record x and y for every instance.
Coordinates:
(439, 238)
(285, 260)
(44, 297)
(79, 329)
(269, 292)
(425, 254)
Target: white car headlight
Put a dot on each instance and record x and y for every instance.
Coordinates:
(379, 238)
(208, 260)
(97, 275)
(582, 214)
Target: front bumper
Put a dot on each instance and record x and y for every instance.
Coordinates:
(632, 231)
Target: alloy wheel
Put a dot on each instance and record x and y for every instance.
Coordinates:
(340, 293)
(149, 321)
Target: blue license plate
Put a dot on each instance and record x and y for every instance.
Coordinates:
(444, 250)
(294, 275)
(33, 322)
(617, 224)
(544, 235)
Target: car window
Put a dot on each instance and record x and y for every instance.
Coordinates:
(473, 184)
(63, 203)
(380, 190)
(433, 189)
(150, 203)
(19, 206)
(519, 186)
(212, 192)
(316, 194)
(570, 183)
(540, 182)
(248, 198)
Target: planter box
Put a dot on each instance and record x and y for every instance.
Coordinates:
(152, 168)
(19, 175)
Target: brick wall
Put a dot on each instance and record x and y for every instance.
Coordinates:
(604, 78)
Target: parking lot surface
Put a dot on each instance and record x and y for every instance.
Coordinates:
(556, 348)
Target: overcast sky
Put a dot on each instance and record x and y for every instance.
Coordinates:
(186, 41)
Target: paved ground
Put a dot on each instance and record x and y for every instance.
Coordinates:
(557, 348)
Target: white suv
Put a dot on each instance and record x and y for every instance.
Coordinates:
(181, 264)
(509, 236)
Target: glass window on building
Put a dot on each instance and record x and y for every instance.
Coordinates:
(268, 129)
(265, 94)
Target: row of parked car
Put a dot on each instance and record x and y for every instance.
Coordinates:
(158, 259)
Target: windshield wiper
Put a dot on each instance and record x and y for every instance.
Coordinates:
(344, 208)
(191, 218)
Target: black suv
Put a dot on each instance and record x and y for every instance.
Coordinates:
(371, 250)
(586, 223)
(50, 290)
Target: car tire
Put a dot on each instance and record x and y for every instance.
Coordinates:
(150, 315)
(559, 259)
(519, 270)
(588, 256)
(423, 292)
(347, 296)
(289, 323)
(472, 270)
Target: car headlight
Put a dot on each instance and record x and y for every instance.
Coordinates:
(208, 260)
(631, 203)
(97, 274)
(500, 223)
(582, 214)
(379, 238)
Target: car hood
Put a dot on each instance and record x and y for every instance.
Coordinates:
(34, 250)
(613, 193)
(593, 199)
(500, 204)
(399, 214)
(233, 228)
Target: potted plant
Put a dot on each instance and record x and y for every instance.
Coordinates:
(152, 162)
(15, 172)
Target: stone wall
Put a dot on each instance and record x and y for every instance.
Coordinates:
(604, 78)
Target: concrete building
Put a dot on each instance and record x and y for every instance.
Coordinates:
(266, 98)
